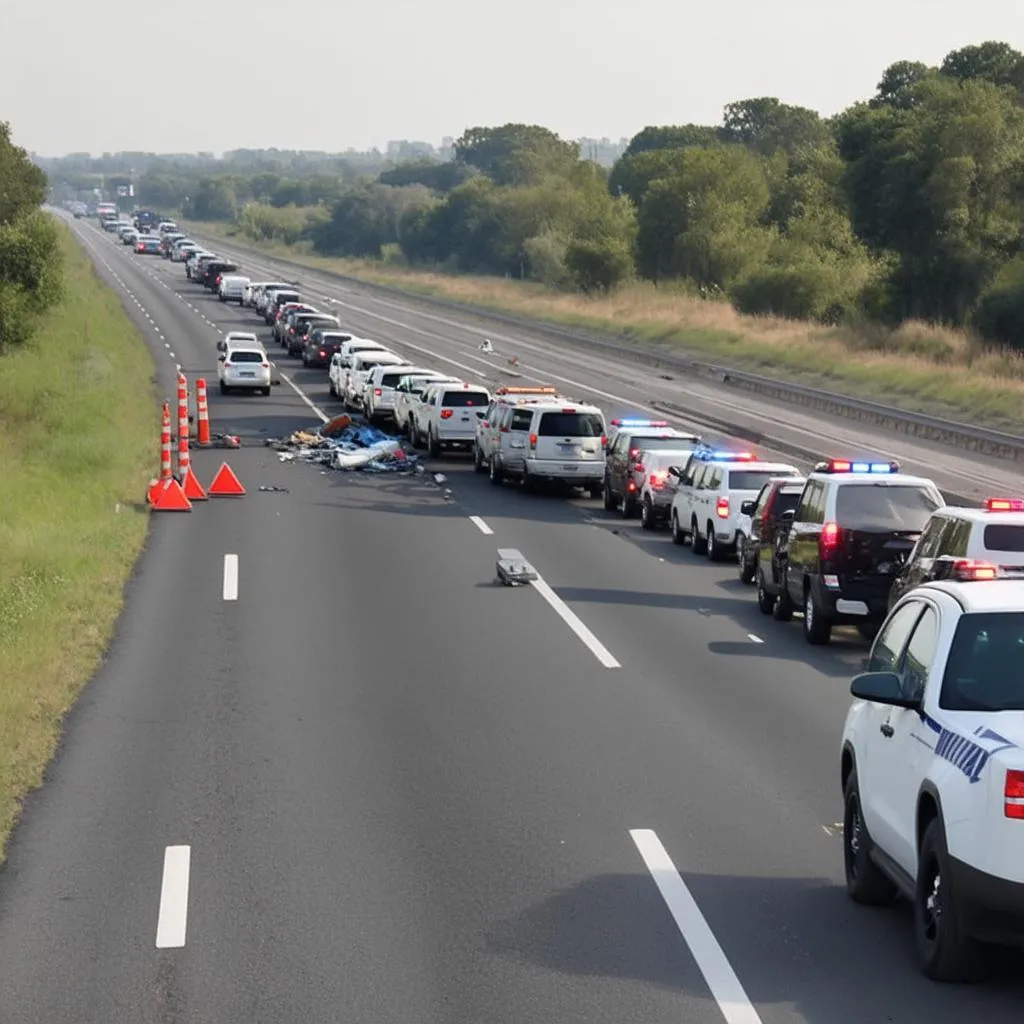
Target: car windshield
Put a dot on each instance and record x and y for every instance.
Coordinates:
(570, 424)
(462, 399)
(671, 444)
(751, 479)
(246, 357)
(985, 668)
(883, 507)
(390, 380)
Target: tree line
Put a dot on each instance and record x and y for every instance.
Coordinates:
(31, 270)
(909, 204)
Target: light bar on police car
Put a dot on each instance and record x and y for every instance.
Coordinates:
(856, 466)
(710, 455)
(1004, 504)
(509, 390)
(640, 423)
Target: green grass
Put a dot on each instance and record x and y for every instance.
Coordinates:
(78, 423)
(918, 367)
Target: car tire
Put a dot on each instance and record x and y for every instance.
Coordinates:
(610, 504)
(628, 507)
(698, 544)
(746, 565)
(433, 448)
(678, 537)
(817, 629)
(765, 602)
(945, 952)
(783, 610)
(646, 514)
(266, 391)
(868, 630)
(712, 549)
(332, 389)
(866, 883)
(224, 388)
(479, 466)
(494, 471)
(594, 490)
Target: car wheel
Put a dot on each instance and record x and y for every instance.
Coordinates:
(746, 564)
(868, 630)
(678, 537)
(223, 388)
(332, 389)
(594, 489)
(865, 882)
(433, 448)
(765, 601)
(266, 391)
(817, 629)
(783, 610)
(628, 506)
(713, 551)
(944, 951)
(479, 466)
(698, 544)
(608, 498)
(494, 471)
(646, 514)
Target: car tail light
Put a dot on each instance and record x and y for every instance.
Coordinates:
(265, 365)
(722, 507)
(967, 569)
(291, 330)
(219, 279)
(828, 542)
(604, 441)
(634, 452)
(446, 414)
(228, 362)
(657, 479)
(631, 486)
(377, 392)
(533, 440)
(1013, 806)
(323, 354)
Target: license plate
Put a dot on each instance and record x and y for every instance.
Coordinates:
(246, 373)
(567, 447)
(570, 469)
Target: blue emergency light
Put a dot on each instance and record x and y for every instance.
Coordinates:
(640, 423)
(851, 466)
(710, 455)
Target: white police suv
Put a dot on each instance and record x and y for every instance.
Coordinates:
(933, 771)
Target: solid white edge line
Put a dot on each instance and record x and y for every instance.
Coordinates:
(323, 416)
(573, 621)
(481, 525)
(755, 638)
(721, 979)
(231, 577)
(173, 920)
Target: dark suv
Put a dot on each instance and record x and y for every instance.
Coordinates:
(299, 326)
(214, 271)
(623, 475)
(779, 496)
(321, 343)
(836, 557)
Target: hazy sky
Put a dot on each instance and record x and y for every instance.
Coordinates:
(107, 75)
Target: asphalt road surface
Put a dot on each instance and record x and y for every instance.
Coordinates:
(331, 773)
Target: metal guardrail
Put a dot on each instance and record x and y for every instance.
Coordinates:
(980, 440)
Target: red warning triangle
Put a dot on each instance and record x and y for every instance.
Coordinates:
(226, 484)
(171, 498)
(193, 488)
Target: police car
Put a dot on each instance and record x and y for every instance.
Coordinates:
(932, 770)
(966, 544)
(623, 475)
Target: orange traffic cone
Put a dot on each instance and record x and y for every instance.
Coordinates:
(192, 487)
(226, 484)
(171, 498)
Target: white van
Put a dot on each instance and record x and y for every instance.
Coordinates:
(232, 289)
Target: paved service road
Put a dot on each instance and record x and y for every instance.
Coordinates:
(395, 792)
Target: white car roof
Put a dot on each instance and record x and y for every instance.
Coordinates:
(564, 406)
(242, 336)
(980, 595)
(376, 358)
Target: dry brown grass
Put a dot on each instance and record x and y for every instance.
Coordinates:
(919, 367)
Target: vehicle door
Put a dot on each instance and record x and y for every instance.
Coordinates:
(617, 461)
(485, 429)
(682, 502)
(797, 547)
(514, 435)
(918, 566)
(896, 750)
(456, 417)
(569, 436)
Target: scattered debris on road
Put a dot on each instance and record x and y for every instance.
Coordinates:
(345, 445)
(274, 490)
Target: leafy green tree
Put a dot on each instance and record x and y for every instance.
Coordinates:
(999, 316)
(516, 154)
(437, 176)
(897, 86)
(993, 62)
(681, 136)
(22, 184)
(767, 125)
(633, 176)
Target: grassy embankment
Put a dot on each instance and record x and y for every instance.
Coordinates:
(919, 367)
(78, 420)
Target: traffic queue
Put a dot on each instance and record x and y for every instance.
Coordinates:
(931, 763)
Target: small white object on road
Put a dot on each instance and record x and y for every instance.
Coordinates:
(755, 638)
(721, 979)
(173, 920)
(231, 577)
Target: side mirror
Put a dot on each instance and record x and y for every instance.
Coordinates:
(881, 688)
(674, 471)
(480, 413)
(221, 358)
(222, 346)
(747, 508)
(787, 516)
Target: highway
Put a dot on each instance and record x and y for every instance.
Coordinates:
(395, 792)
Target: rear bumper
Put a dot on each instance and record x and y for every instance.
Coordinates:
(568, 470)
(992, 908)
(853, 600)
(263, 381)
